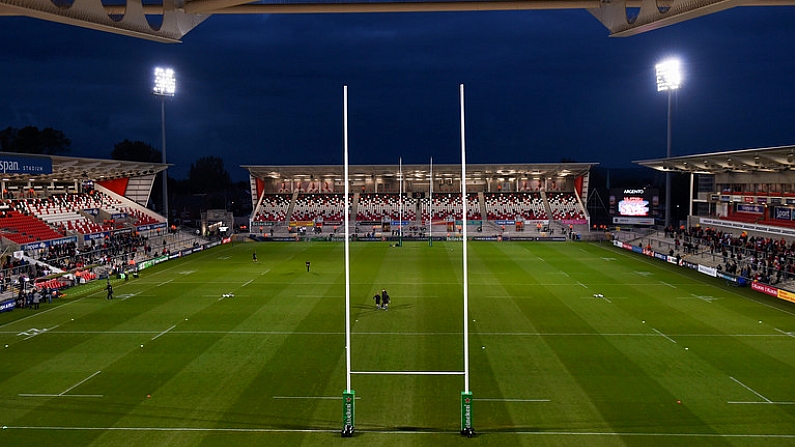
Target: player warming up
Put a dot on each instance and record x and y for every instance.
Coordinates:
(377, 299)
(385, 300)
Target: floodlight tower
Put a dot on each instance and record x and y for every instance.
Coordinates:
(669, 78)
(165, 86)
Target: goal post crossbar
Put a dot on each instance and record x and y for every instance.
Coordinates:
(412, 373)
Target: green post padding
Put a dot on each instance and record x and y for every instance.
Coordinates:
(348, 413)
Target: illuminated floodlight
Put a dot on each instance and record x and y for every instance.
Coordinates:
(165, 82)
(669, 75)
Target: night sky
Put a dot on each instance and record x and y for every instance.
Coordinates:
(541, 87)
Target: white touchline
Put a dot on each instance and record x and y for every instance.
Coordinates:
(249, 282)
(164, 283)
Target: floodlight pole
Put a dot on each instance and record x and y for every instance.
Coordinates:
(163, 138)
(669, 79)
(165, 85)
(668, 173)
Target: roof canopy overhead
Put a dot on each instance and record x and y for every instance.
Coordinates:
(545, 170)
(172, 19)
(72, 168)
(770, 159)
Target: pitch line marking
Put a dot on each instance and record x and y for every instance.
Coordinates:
(510, 400)
(68, 389)
(761, 403)
(247, 283)
(406, 433)
(48, 310)
(581, 284)
(164, 283)
(751, 390)
(162, 333)
(129, 295)
(80, 382)
(788, 334)
(666, 284)
(666, 337)
(631, 255)
(313, 397)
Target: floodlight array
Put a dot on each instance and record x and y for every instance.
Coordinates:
(669, 75)
(165, 82)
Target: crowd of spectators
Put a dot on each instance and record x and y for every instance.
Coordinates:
(766, 259)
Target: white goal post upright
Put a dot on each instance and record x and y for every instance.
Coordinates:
(430, 208)
(466, 396)
(348, 396)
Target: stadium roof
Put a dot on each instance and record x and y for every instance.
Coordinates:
(84, 168)
(172, 19)
(770, 159)
(546, 170)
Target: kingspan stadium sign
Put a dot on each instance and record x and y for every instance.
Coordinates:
(10, 164)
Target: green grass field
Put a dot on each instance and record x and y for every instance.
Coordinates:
(665, 357)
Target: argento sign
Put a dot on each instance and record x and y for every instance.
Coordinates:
(634, 191)
(11, 164)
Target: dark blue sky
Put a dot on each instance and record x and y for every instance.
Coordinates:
(540, 86)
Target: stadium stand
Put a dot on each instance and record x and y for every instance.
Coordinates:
(273, 208)
(565, 206)
(21, 228)
(314, 207)
(508, 206)
(377, 207)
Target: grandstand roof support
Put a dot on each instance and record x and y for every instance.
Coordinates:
(654, 14)
(128, 20)
(180, 16)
